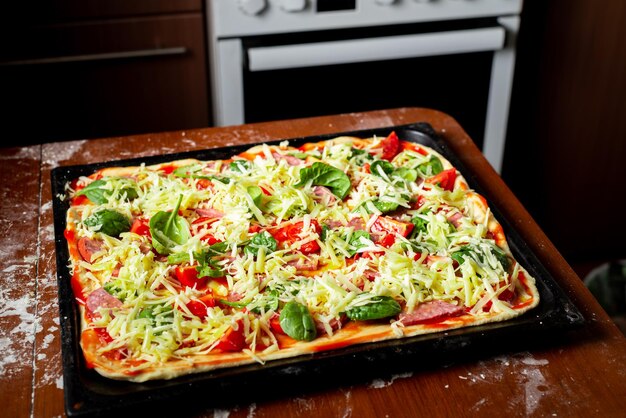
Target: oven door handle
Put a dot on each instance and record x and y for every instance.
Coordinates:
(375, 49)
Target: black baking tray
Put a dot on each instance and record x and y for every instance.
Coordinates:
(88, 393)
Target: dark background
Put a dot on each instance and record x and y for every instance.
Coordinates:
(566, 142)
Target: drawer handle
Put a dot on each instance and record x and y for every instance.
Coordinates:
(375, 49)
(140, 53)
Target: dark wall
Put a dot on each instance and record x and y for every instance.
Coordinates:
(566, 149)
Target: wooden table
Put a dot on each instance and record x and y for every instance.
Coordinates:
(583, 373)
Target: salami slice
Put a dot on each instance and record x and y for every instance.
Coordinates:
(98, 299)
(87, 247)
(290, 159)
(429, 311)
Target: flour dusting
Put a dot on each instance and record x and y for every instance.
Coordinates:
(221, 413)
(23, 153)
(48, 368)
(303, 405)
(380, 383)
(16, 345)
(533, 384)
(59, 382)
(61, 151)
(251, 411)
(531, 361)
(347, 413)
(524, 369)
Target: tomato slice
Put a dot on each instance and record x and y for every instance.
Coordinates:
(294, 233)
(280, 234)
(199, 307)
(77, 289)
(419, 202)
(204, 184)
(233, 340)
(199, 225)
(141, 226)
(414, 147)
(167, 169)
(385, 224)
(103, 335)
(188, 277)
(391, 146)
(387, 240)
(506, 296)
(79, 200)
(275, 324)
(445, 179)
(289, 234)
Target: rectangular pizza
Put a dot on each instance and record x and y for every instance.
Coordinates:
(281, 251)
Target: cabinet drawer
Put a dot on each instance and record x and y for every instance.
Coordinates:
(108, 78)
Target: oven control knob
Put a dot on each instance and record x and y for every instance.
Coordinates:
(385, 2)
(293, 5)
(252, 7)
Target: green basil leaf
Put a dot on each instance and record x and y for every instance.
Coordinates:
(112, 289)
(168, 229)
(217, 248)
(240, 166)
(503, 259)
(431, 167)
(382, 166)
(108, 222)
(262, 239)
(158, 315)
(256, 193)
(193, 171)
(360, 157)
(178, 258)
(420, 225)
(272, 301)
(95, 193)
(208, 270)
(380, 307)
(268, 302)
(299, 155)
(238, 305)
(146, 313)
(408, 174)
(224, 180)
(297, 322)
(321, 174)
(324, 232)
(384, 206)
(128, 187)
(461, 254)
(355, 241)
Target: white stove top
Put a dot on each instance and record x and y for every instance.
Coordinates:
(237, 18)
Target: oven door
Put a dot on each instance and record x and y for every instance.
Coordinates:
(465, 72)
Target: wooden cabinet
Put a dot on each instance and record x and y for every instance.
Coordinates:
(92, 69)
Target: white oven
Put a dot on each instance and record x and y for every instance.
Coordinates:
(278, 59)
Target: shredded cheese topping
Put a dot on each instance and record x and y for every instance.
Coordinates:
(397, 233)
